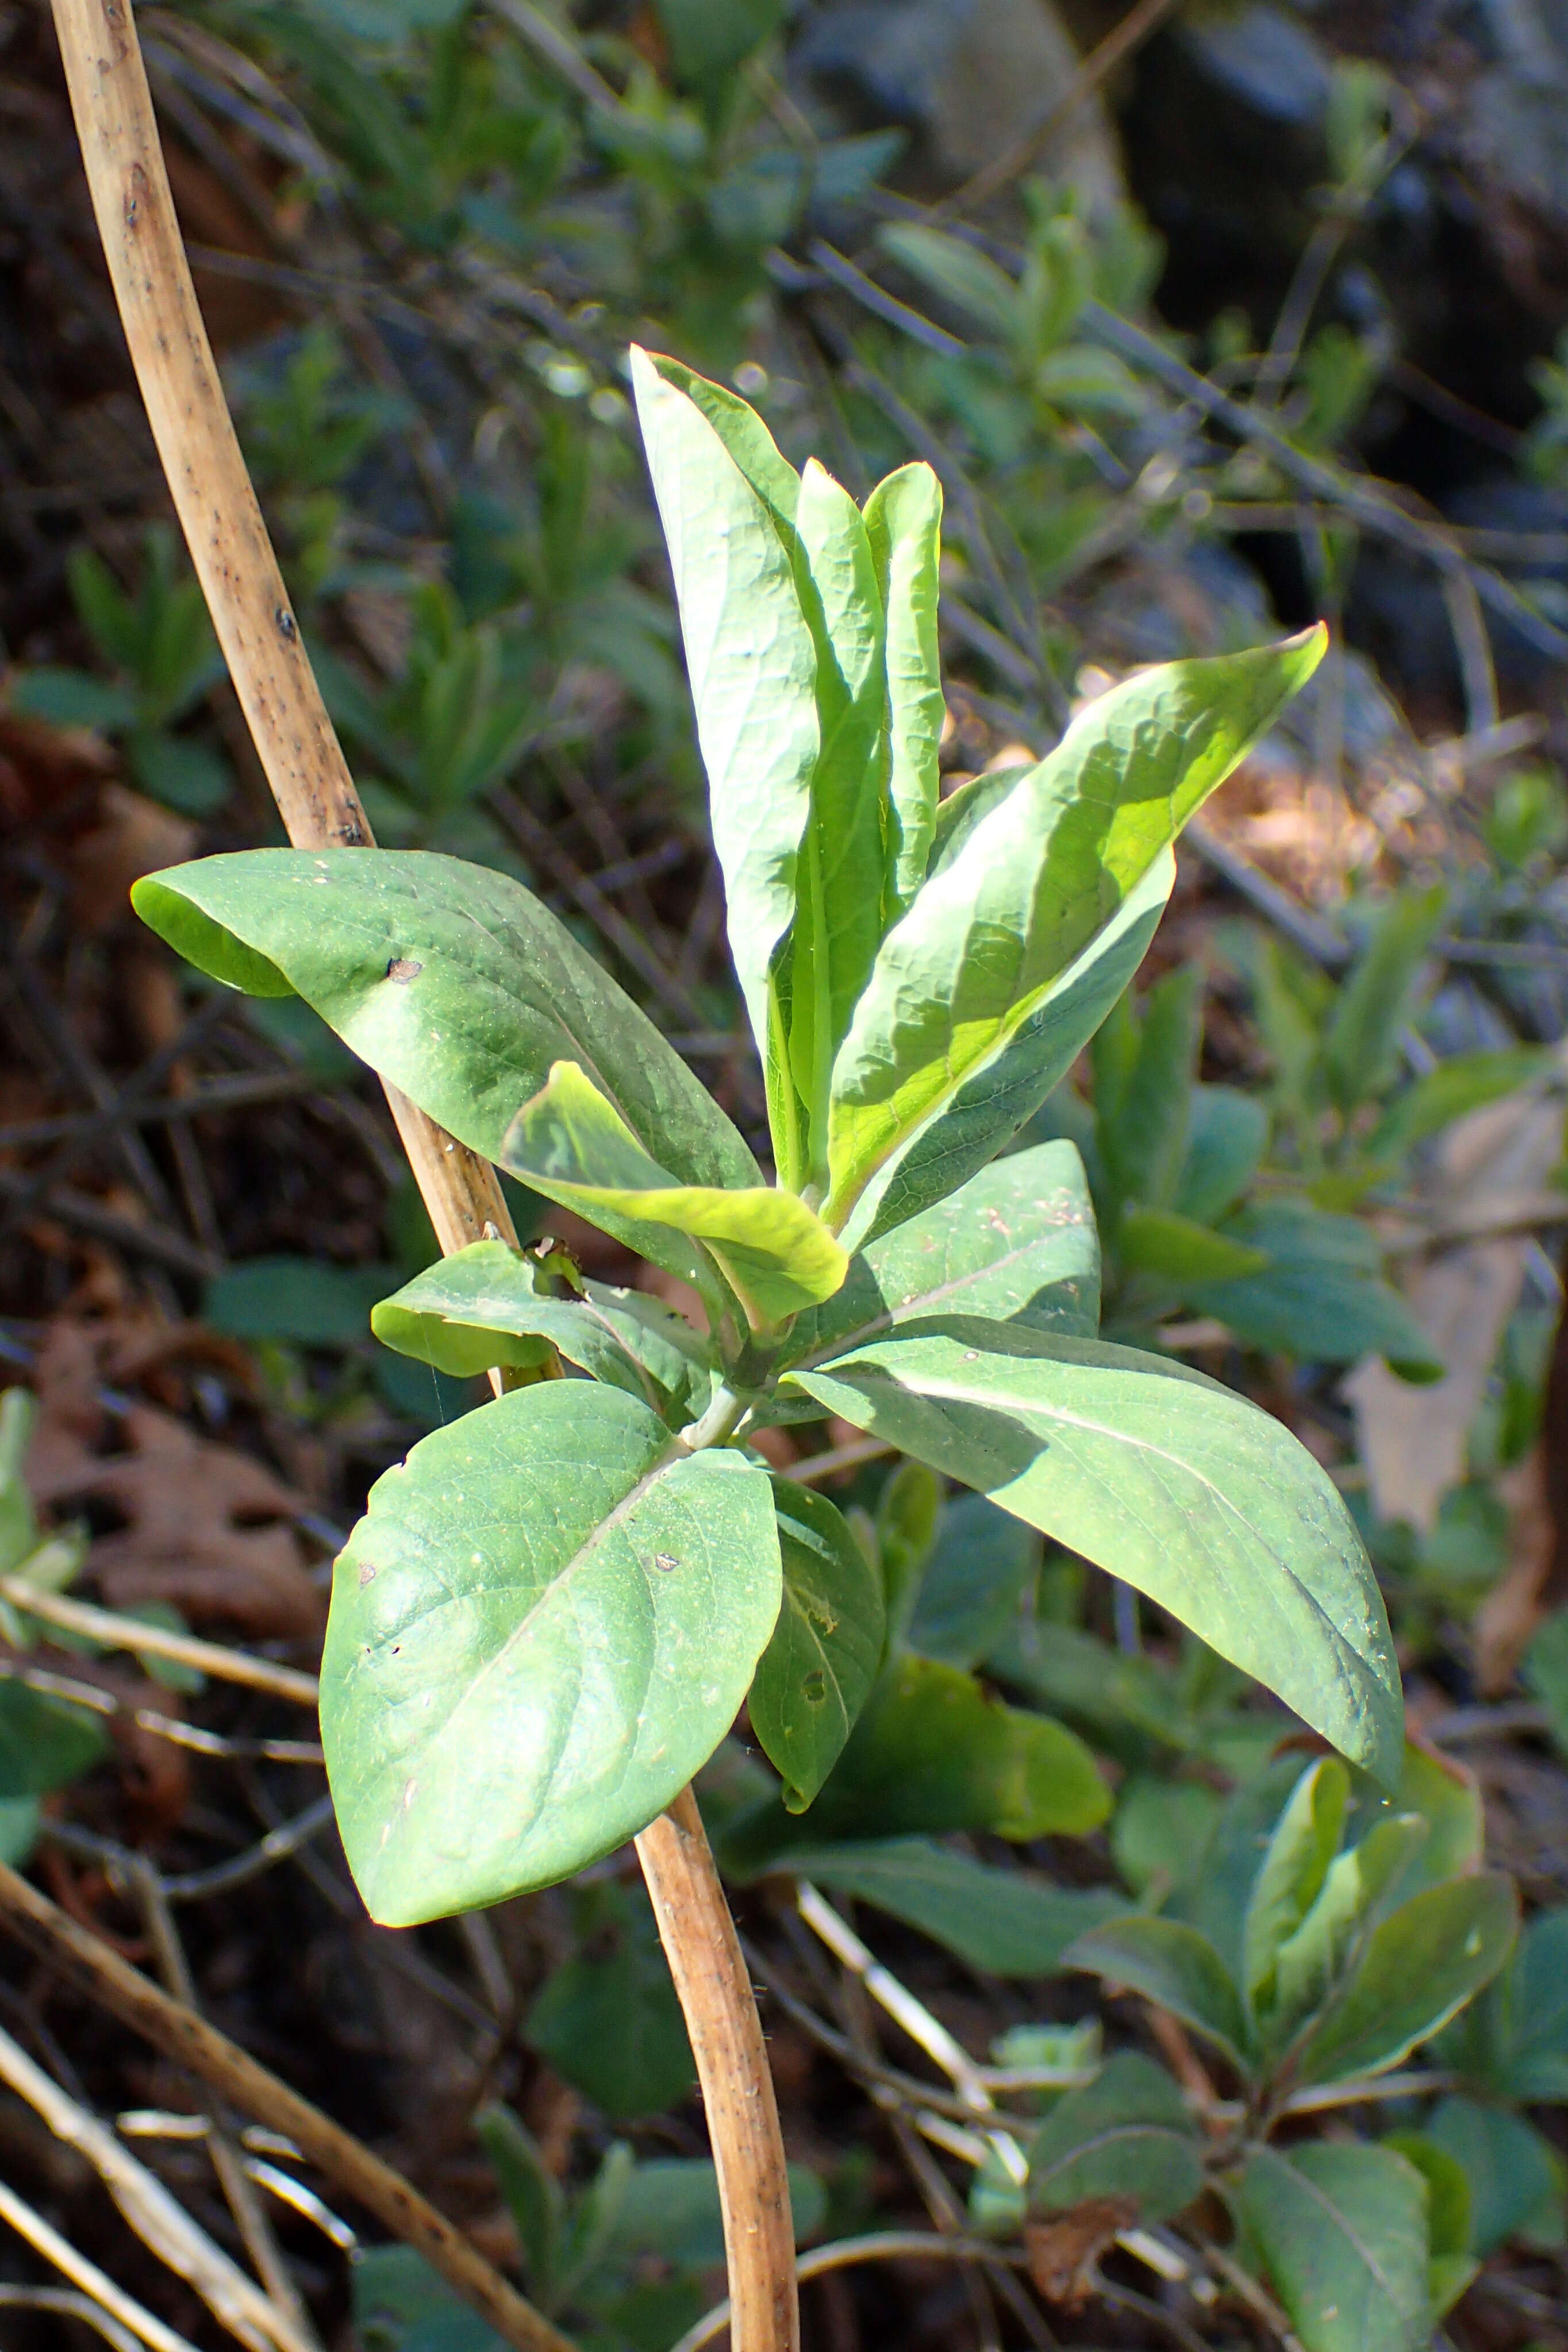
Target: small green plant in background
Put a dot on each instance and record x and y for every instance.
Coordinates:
(1240, 1206)
(554, 1609)
(158, 647)
(625, 2260)
(45, 1742)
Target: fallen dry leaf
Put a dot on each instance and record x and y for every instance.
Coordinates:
(1513, 1608)
(133, 836)
(1413, 1440)
(1064, 2251)
(204, 1526)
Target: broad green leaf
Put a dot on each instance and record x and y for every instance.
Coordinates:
(1185, 1490)
(708, 39)
(970, 1592)
(608, 2021)
(451, 980)
(813, 1678)
(1126, 2135)
(1363, 1035)
(545, 1622)
(44, 1742)
(1418, 1966)
(1174, 1249)
(306, 1301)
(1007, 1923)
(70, 697)
(531, 2190)
(1018, 1242)
(570, 1145)
(1517, 2179)
(1144, 1121)
(1343, 2227)
(670, 2208)
(483, 1306)
(1450, 2266)
(1448, 1796)
(1033, 885)
(1290, 1877)
(752, 663)
(1322, 1297)
(1227, 1136)
(1174, 1966)
(1007, 1090)
(741, 431)
(932, 1752)
(401, 2302)
(1529, 2006)
(903, 526)
(1211, 1891)
(840, 876)
(961, 812)
(1311, 1962)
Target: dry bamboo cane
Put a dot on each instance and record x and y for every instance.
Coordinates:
(304, 764)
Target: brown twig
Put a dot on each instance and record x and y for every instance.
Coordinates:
(310, 780)
(99, 1971)
(1121, 42)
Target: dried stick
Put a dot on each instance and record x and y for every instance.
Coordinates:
(93, 2282)
(99, 1970)
(311, 781)
(119, 1632)
(161, 2222)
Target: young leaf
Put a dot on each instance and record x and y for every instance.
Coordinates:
(1343, 2227)
(545, 1622)
(1418, 1966)
(903, 526)
(841, 873)
(752, 667)
(1126, 2135)
(1034, 884)
(1374, 1003)
(1143, 1122)
(451, 980)
(1005, 1090)
(1010, 1923)
(482, 1307)
(1190, 1493)
(1018, 1242)
(531, 2192)
(570, 1145)
(608, 2021)
(813, 1677)
(1291, 1876)
(1174, 1966)
(1309, 1963)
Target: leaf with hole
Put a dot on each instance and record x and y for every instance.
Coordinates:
(545, 1622)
